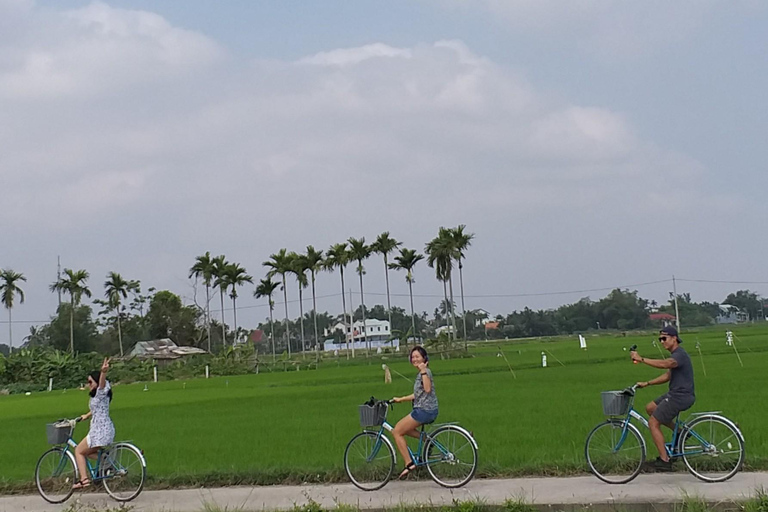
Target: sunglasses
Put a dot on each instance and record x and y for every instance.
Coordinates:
(663, 338)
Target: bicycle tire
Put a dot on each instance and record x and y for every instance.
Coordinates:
(623, 470)
(61, 462)
(441, 455)
(366, 473)
(124, 473)
(711, 465)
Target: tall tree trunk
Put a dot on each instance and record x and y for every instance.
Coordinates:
(301, 323)
(314, 317)
(463, 308)
(389, 304)
(119, 330)
(447, 306)
(223, 328)
(234, 313)
(287, 325)
(362, 307)
(208, 314)
(72, 327)
(413, 314)
(272, 329)
(10, 332)
(453, 312)
(344, 307)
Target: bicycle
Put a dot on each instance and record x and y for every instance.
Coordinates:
(710, 445)
(120, 467)
(448, 451)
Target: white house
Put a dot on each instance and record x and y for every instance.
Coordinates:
(377, 333)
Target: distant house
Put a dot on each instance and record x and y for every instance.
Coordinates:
(730, 315)
(163, 350)
(662, 319)
(257, 336)
(483, 317)
(375, 330)
(490, 326)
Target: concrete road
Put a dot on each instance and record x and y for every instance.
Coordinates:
(582, 490)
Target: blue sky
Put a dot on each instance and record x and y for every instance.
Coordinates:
(588, 144)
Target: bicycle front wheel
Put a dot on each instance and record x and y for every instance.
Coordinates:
(615, 451)
(123, 472)
(55, 474)
(369, 460)
(451, 456)
(712, 449)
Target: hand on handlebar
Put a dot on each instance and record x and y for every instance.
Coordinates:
(640, 385)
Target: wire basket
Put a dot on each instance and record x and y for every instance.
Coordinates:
(58, 433)
(373, 415)
(616, 403)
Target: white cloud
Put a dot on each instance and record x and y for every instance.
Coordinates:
(116, 121)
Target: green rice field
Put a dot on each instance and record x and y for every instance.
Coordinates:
(294, 426)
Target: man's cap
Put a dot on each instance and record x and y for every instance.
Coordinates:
(671, 331)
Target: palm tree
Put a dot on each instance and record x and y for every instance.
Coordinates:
(281, 263)
(359, 251)
(10, 289)
(314, 260)
(72, 282)
(299, 269)
(115, 289)
(234, 276)
(266, 288)
(384, 245)
(205, 268)
(462, 241)
(440, 255)
(220, 265)
(338, 257)
(406, 260)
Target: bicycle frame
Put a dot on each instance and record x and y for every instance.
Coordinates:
(670, 447)
(387, 427)
(94, 473)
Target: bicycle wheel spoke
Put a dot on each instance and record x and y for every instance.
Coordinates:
(614, 454)
(451, 457)
(369, 461)
(716, 456)
(54, 476)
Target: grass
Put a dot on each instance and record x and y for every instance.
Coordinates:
(292, 427)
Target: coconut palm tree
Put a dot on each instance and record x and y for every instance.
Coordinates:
(220, 265)
(204, 268)
(314, 260)
(462, 241)
(115, 289)
(359, 251)
(384, 245)
(281, 263)
(338, 257)
(234, 276)
(406, 260)
(73, 282)
(266, 288)
(10, 289)
(299, 269)
(441, 253)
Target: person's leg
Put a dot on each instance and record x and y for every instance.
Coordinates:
(406, 426)
(81, 452)
(658, 438)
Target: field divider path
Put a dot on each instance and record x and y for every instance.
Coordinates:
(581, 490)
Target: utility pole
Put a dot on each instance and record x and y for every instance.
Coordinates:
(677, 310)
(58, 276)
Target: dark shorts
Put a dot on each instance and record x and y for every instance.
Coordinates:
(668, 407)
(423, 416)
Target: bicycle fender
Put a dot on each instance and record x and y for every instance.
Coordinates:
(722, 418)
(462, 430)
(138, 450)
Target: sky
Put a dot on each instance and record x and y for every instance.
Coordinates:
(587, 144)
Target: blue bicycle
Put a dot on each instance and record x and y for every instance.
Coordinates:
(121, 467)
(710, 445)
(448, 451)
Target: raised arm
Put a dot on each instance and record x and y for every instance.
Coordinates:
(103, 375)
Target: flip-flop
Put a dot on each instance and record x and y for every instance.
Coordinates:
(407, 470)
(82, 484)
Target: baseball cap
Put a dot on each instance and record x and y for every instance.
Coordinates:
(671, 331)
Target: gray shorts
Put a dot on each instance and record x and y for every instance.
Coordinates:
(668, 407)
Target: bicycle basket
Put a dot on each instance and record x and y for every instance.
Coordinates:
(372, 415)
(615, 403)
(58, 433)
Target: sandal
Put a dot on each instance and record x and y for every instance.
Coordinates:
(407, 470)
(82, 484)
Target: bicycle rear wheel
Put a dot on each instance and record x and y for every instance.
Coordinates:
(369, 460)
(615, 454)
(712, 449)
(123, 472)
(55, 474)
(451, 456)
